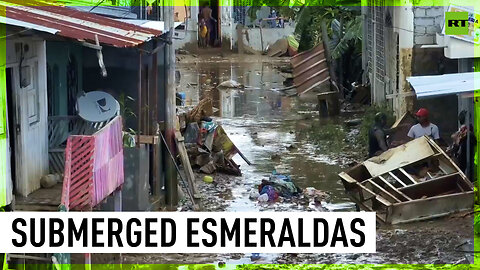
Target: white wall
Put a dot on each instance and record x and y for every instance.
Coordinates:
(270, 36)
(190, 36)
(229, 36)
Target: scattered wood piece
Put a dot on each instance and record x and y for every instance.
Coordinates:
(203, 109)
(208, 168)
(186, 163)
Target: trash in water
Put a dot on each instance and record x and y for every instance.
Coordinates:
(254, 194)
(230, 84)
(270, 191)
(278, 185)
(255, 256)
(263, 198)
(208, 146)
(208, 179)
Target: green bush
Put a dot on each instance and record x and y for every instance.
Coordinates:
(328, 135)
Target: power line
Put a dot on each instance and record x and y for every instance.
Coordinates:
(98, 4)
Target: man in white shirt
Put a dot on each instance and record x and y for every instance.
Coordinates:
(424, 127)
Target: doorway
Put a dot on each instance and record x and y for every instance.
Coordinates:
(10, 125)
(214, 26)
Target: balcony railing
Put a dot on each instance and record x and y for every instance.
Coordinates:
(59, 129)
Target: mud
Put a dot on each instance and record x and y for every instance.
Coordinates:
(285, 134)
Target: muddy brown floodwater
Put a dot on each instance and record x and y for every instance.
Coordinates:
(281, 133)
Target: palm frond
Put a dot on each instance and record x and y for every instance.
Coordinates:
(353, 35)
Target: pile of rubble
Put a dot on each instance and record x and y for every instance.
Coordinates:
(207, 144)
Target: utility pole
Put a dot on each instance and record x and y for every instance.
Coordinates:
(171, 181)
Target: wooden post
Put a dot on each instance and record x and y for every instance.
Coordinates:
(117, 200)
(139, 96)
(117, 207)
(171, 181)
(156, 188)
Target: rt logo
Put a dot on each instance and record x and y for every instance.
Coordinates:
(456, 23)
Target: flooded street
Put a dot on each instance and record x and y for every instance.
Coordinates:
(277, 132)
(272, 130)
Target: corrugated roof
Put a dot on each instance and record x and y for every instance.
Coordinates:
(75, 24)
(448, 84)
(310, 69)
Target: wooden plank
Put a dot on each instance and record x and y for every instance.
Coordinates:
(367, 190)
(186, 163)
(429, 208)
(401, 156)
(432, 185)
(454, 165)
(362, 205)
(394, 189)
(407, 175)
(383, 201)
(147, 139)
(397, 179)
(383, 190)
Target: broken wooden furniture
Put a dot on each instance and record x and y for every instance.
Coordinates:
(415, 181)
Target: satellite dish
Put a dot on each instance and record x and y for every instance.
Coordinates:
(97, 106)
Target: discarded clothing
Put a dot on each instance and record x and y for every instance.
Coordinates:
(271, 192)
(282, 184)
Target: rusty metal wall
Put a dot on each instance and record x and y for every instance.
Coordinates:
(310, 69)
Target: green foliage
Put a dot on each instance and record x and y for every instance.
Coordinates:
(351, 38)
(309, 17)
(125, 110)
(350, 267)
(476, 222)
(369, 120)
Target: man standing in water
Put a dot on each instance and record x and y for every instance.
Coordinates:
(424, 127)
(377, 136)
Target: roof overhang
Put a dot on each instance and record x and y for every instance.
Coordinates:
(78, 25)
(448, 84)
(155, 25)
(455, 48)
